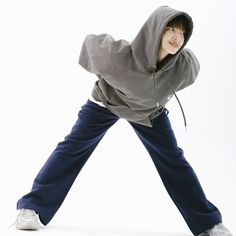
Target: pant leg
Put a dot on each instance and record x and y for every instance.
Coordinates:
(56, 177)
(177, 175)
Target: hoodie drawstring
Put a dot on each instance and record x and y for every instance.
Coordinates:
(182, 110)
(154, 81)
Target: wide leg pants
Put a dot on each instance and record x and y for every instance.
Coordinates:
(56, 177)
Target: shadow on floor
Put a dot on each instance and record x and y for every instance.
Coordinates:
(81, 230)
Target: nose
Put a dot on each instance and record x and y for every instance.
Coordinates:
(175, 37)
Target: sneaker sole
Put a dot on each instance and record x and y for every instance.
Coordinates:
(27, 227)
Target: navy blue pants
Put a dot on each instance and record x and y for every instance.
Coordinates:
(56, 177)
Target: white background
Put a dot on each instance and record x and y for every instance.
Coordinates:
(42, 88)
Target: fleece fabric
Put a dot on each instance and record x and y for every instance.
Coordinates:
(130, 83)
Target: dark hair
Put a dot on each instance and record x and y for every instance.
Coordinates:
(180, 22)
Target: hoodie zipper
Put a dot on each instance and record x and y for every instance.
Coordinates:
(173, 91)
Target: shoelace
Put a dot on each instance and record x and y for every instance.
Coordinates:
(27, 212)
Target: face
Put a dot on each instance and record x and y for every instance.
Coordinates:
(172, 40)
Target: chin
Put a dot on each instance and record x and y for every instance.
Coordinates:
(172, 53)
(171, 50)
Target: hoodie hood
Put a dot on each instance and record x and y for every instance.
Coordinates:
(129, 83)
(146, 44)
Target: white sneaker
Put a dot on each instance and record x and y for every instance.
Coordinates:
(27, 220)
(217, 230)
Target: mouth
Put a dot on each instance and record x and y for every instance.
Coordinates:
(173, 44)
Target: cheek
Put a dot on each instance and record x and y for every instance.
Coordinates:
(165, 40)
(167, 37)
(165, 45)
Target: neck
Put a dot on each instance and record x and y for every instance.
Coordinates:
(161, 55)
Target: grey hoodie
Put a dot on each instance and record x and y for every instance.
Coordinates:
(130, 85)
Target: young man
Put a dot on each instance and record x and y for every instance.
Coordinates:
(135, 82)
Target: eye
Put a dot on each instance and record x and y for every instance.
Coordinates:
(179, 31)
(169, 28)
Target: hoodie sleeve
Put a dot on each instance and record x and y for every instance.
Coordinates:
(99, 54)
(188, 68)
